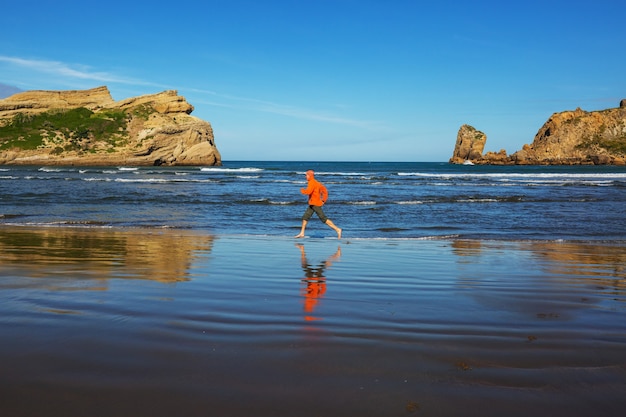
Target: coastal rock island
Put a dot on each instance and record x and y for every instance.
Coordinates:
(88, 127)
(469, 145)
(575, 137)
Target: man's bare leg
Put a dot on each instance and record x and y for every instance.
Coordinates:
(335, 228)
(301, 234)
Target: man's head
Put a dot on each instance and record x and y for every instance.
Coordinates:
(310, 174)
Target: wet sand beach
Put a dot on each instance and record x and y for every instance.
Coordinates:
(157, 322)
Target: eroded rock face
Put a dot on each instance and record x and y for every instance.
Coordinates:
(578, 137)
(39, 101)
(158, 130)
(469, 145)
(167, 102)
(568, 138)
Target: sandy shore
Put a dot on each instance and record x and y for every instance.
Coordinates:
(114, 322)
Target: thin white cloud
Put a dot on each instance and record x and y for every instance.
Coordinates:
(66, 70)
(284, 110)
(81, 72)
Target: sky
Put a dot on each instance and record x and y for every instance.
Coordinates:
(332, 80)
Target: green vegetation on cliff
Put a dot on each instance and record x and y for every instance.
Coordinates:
(615, 146)
(87, 127)
(74, 129)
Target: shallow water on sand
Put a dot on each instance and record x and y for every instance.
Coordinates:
(105, 322)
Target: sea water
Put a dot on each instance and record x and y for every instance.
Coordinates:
(457, 290)
(367, 200)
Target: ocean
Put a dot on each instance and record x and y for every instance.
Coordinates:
(367, 200)
(454, 291)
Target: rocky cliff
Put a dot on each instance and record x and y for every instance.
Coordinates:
(469, 145)
(568, 138)
(87, 127)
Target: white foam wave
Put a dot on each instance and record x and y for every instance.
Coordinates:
(520, 176)
(339, 173)
(144, 180)
(363, 203)
(94, 179)
(214, 169)
(61, 223)
(410, 202)
(477, 200)
(408, 238)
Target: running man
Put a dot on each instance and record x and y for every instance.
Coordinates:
(318, 194)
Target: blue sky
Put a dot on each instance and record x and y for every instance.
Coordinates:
(342, 80)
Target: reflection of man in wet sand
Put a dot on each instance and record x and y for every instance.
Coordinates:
(315, 281)
(318, 194)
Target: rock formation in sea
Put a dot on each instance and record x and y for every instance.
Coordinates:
(87, 127)
(575, 137)
(469, 145)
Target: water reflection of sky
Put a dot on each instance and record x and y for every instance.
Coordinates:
(92, 317)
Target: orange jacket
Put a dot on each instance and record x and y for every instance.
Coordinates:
(318, 194)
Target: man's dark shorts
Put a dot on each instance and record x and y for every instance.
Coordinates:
(318, 210)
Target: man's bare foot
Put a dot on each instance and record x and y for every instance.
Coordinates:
(299, 235)
(339, 233)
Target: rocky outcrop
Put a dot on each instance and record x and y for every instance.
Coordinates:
(578, 137)
(167, 102)
(39, 101)
(155, 129)
(469, 145)
(575, 137)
